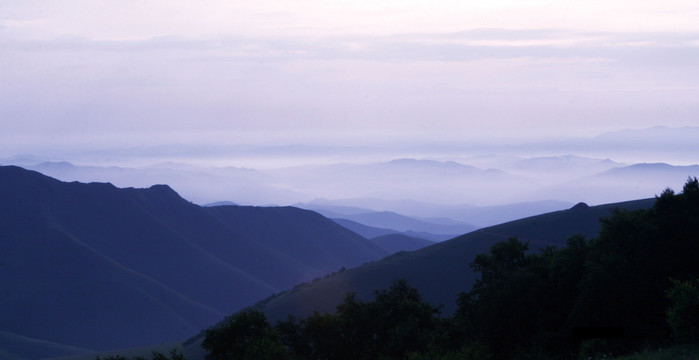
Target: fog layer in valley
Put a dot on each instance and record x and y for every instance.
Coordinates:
(481, 186)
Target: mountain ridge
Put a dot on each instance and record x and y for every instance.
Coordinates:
(441, 270)
(100, 267)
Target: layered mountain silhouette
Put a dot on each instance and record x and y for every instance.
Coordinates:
(391, 240)
(441, 271)
(92, 266)
(401, 223)
(400, 242)
(462, 217)
(97, 267)
(479, 190)
(376, 223)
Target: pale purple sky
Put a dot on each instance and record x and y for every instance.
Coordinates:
(90, 74)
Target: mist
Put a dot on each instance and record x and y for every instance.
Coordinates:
(450, 180)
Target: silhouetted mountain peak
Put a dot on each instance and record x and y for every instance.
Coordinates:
(580, 206)
(15, 170)
(163, 189)
(11, 177)
(143, 265)
(105, 186)
(163, 195)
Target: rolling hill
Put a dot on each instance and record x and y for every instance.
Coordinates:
(97, 267)
(375, 223)
(442, 270)
(391, 220)
(371, 232)
(93, 266)
(628, 182)
(394, 243)
(17, 347)
(469, 216)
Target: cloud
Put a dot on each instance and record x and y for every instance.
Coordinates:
(674, 48)
(282, 89)
(20, 23)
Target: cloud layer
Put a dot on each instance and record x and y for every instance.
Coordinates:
(86, 74)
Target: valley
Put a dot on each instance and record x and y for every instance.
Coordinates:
(158, 268)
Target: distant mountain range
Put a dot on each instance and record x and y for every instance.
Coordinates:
(653, 144)
(372, 233)
(649, 178)
(645, 169)
(394, 243)
(477, 190)
(442, 217)
(96, 267)
(441, 228)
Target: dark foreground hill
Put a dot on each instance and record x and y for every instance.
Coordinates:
(633, 286)
(439, 272)
(97, 267)
(442, 270)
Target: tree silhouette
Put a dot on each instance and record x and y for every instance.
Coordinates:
(245, 335)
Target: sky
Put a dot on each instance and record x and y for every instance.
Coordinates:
(100, 75)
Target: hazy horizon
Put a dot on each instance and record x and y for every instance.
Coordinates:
(437, 181)
(658, 144)
(272, 85)
(107, 75)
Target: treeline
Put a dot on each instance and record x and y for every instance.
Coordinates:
(154, 355)
(634, 286)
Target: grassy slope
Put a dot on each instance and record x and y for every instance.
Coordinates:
(439, 271)
(17, 347)
(442, 270)
(101, 267)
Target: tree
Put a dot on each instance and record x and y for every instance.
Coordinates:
(404, 321)
(504, 258)
(245, 335)
(524, 305)
(683, 311)
(292, 336)
(504, 309)
(398, 322)
(322, 333)
(630, 265)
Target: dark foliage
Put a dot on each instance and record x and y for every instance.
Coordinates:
(398, 322)
(245, 335)
(155, 355)
(683, 311)
(632, 286)
(606, 295)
